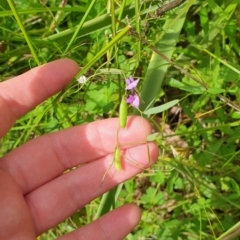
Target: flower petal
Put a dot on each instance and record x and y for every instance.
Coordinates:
(130, 99)
(136, 101)
(133, 100)
(129, 80)
(82, 79)
(132, 85)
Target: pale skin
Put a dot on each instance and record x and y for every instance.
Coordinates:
(35, 195)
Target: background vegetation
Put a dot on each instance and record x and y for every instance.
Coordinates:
(192, 192)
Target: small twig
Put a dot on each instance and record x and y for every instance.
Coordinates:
(53, 24)
(229, 103)
(168, 6)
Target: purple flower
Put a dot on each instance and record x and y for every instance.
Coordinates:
(131, 83)
(133, 100)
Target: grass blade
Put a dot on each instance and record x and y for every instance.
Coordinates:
(20, 24)
(80, 26)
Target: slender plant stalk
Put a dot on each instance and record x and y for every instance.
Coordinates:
(233, 232)
(57, 16)
(115, 48)
(108, 200)
(138, 29)
(108, 53)
(104, 50)
(112, 9)
(7, 13)
(168, 6)
(80, 26)
(19, 21)
(217, 58)
(121, 13)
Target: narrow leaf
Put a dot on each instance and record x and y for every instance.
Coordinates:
(161, 108)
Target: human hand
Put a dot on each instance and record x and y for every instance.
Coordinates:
(35, 194)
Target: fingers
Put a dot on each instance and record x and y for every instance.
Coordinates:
(73, 190)
(15, 220)
(21, 94)
(114, 225)
(45, 158)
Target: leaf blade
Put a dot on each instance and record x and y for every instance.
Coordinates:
(161, 108)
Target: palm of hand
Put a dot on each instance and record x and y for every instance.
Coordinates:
(35, 194)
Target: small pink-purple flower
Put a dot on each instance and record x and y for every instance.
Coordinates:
(133, 100)
(131, 83)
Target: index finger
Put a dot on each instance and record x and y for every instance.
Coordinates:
(21, 94)
(45, 158)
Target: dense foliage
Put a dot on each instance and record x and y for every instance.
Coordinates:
(192, 192)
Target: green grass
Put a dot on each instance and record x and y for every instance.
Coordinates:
(193, 190)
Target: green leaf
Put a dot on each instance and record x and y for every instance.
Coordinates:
(161, 108)
(171, 181)
(165, 43)
(235, 115)
(186, 87)
(215, 91)
(152, 137)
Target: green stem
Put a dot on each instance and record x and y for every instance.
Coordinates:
(121, 13)
(16, 15)
(104, 50)
(112, 8)
(80, 26)
(138, 28)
